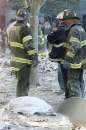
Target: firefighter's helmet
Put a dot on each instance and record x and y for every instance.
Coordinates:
(67, 14)
(21, 15)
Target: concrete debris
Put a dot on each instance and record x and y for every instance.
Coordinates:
(30, 106)
(30, 113)
(19, 113)
(47, 66)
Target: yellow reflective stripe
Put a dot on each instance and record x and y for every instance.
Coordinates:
(83, 43)
(75, 66)
(21, 60)
(16, 44)
(32, 52)
(74, 39)
(66, 45)
(83, 61)
(62, 61)
(27, 38)
(14, 69)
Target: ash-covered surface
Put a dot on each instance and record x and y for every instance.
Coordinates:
(32, 113)
(47, 72)
(47, 90)
(8, 89)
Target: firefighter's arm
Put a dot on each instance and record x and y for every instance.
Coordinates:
(28, 41)
(28, 45)
(73, 49)
(74, 43)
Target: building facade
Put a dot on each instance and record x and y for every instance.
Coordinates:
(6, 13)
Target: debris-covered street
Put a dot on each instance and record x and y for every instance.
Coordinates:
(48, 82)
(48, 90)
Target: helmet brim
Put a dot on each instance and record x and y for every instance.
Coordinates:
(19, 18)
(70, 18)
(60, 17)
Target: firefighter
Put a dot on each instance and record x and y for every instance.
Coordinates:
(74, 61)
(56, 38)
(23, 52)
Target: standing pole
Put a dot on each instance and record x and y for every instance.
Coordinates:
(34, 21)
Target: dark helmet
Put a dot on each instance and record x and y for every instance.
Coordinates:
(21, 15)
(67, 14)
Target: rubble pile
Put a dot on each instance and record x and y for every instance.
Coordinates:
(30, 106)
(45, 65)
(48, 73)
(26, 113)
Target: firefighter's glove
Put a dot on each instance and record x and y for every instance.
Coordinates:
(66, 64)
(35, 60)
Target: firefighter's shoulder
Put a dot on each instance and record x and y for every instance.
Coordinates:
(76, 29)
(25, 30)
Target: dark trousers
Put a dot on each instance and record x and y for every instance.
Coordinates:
(65, 79)
(73, 82)
(60, 78)
(23, 77)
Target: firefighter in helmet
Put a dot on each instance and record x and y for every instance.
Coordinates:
(57, 38)
(23, 52)
(75, 58)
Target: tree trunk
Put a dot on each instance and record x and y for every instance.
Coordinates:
(35, 7)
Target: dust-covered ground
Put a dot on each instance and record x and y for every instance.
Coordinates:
(47, 89)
